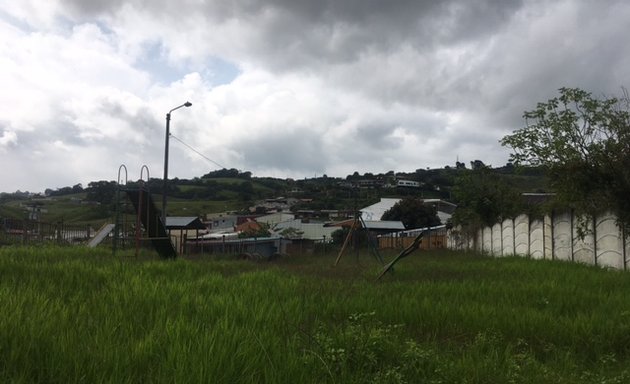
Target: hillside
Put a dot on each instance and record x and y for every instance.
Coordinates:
(231, 190)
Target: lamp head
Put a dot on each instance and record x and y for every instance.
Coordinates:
(187, 104)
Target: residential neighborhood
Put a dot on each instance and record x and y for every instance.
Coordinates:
(306, 218)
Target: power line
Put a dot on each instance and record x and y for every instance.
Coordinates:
(197, 152)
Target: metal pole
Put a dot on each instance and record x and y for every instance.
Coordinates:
(165, 180)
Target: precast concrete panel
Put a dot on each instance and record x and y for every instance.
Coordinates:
(627, 250)
(547, 237)
(562, 236)
(471, 242)
(521, 235)
(552, 236)
(507, 234)
(583, 248)
(487, 240)
(537, 239)
(451, 242)
(609, 242)
(456, 239)
(478, 246)
(497, 247)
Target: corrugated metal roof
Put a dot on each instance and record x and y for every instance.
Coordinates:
(184, 222)
(414, 232)
(312, 231)
(394, 225)
(370, 224)
(374, 212)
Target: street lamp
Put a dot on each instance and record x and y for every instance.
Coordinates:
(165, 181)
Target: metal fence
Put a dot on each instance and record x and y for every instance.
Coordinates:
(432, 239)
(27, 232)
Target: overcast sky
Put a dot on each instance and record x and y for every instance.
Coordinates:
(286, 88)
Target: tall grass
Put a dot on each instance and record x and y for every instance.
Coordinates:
(78, 315)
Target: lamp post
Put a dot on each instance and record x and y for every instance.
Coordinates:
(165, 181)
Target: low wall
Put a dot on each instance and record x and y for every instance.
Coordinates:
(554, 236)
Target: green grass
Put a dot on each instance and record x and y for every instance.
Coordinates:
(78, 315)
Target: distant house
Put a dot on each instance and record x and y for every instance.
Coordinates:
(374, 212)
(248, 226)
(275, 218)
(376, 227)
(277, 204)
(182, 228)
(408, 183)
(221, 221)
(310, 231)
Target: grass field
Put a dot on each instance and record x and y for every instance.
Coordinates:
(78, 315)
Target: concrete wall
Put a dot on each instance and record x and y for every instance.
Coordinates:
(555, 236)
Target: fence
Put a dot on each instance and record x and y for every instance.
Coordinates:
(432, 239)
(555, 236)
(36, 232)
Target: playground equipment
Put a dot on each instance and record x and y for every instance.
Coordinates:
(406, 252)
(147, 217)
(102, 233)
(357, 224)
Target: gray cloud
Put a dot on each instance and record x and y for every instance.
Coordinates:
(306, 86)
(297, 151)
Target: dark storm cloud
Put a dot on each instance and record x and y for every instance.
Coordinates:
(298, 34)
(399, 84)
(302, 32)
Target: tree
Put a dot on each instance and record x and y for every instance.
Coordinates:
(339, 236)
(477, 164)
(413, 213)
(101, 191)
(584, 145)
(484, 198)
(291, 233)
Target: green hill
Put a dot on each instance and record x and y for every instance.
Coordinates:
(231, 190)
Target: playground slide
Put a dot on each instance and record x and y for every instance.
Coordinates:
(101, 235)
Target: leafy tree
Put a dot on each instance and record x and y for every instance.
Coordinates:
(339, 236)
(583, 143)
(477, 164)
(291, 233)
(413, 213)
(484, 198)
(62, 191)
(245, 190)
(101, 191)
(232, 172)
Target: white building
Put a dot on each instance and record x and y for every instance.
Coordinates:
(310, 231)
(408, 183)
(374, 212)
